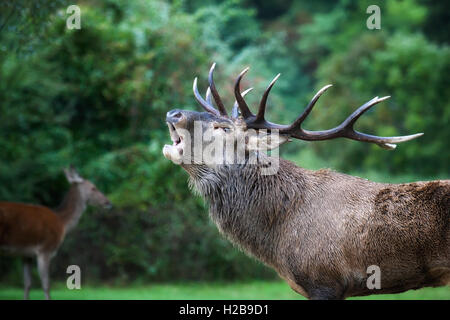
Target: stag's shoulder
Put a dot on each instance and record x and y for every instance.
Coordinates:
(289, 167)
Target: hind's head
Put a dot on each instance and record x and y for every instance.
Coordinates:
(87, 189)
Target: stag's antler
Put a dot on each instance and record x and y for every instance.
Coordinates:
(207, 104)
(212, 92)
(294, 130)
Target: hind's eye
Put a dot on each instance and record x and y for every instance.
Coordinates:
(226, 129)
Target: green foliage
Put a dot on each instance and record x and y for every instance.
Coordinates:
(229, 26)
(92, 90)
(376, 65)
(97, 98)
(24, 24)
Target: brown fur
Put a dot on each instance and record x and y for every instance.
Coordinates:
(321, 230)
(24, 225)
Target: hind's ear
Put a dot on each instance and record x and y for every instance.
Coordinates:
(72, 175)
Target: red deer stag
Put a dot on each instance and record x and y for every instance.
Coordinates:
(31, 230)
(320, 230)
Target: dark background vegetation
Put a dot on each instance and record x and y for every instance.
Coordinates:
(97, 98)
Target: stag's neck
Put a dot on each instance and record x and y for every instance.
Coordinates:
(71, 208)
(250, 208)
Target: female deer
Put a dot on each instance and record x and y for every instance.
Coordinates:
(32, 230)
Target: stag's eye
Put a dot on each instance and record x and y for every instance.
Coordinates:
(223, 127)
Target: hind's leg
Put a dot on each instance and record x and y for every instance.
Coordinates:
(27, 277)
(43, 267)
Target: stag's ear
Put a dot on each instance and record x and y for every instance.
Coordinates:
(72, 175)
(263, 141)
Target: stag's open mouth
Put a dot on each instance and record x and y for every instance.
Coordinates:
(174, 151)
(174, 136)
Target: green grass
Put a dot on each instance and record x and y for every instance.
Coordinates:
(258, 290)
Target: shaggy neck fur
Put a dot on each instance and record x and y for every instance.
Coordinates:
(249, 208)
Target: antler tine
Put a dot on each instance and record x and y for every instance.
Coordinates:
(245, 111)
(215, 93)
(208, 96)
(309, 107)
(346, 130)
(235, 111)
(262, 104)
(201, 101)
(385, 142)
(358, 112)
